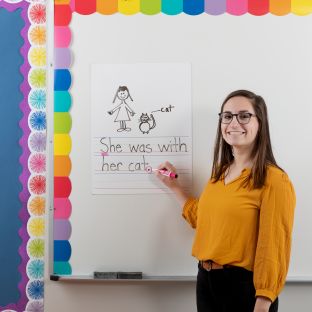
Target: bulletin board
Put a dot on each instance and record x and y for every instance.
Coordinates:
(22, 156)
(258, 45)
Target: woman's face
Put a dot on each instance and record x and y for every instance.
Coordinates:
(239, 135)
(122, 94)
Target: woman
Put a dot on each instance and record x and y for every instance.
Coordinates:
(123, 109)
(243, 219)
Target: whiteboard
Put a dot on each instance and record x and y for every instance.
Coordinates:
(269, 55)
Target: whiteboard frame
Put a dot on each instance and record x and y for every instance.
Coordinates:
(147, 278)
(50, 133)
(291, 279)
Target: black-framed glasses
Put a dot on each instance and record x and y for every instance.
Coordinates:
(242, 117)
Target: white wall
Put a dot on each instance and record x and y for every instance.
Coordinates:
(147, 297)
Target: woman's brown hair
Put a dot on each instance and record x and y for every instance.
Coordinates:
(262, 150)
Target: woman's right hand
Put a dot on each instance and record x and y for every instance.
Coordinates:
(169, 182)
(172, 183)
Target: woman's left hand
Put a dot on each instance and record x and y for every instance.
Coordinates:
(262, 304)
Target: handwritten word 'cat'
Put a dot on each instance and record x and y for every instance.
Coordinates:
(167, 109)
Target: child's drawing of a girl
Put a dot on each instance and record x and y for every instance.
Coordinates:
(123, 109)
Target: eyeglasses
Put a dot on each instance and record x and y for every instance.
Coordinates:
(242, 117)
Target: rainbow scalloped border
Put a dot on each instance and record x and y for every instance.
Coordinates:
(62, 139)
(190, 7)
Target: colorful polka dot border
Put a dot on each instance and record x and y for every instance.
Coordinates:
(37, 123)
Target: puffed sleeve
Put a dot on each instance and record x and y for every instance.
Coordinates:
(274, 239)
(190, 211)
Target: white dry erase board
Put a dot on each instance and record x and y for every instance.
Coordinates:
(269, 55)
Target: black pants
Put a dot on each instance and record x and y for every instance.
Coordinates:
(226, 290)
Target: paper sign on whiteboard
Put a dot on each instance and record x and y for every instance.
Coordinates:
(141, 117)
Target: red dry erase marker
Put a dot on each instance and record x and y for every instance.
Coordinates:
(164, 172)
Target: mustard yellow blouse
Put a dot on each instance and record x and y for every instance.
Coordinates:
(246, 228)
